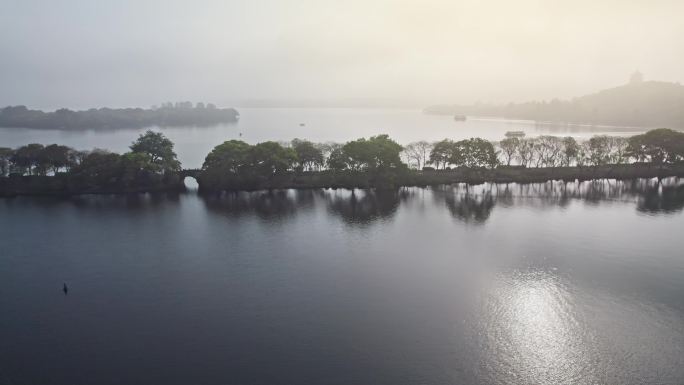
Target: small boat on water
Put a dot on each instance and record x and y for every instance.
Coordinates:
(302, 124)
(460, 118)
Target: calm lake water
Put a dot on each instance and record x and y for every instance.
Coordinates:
(320, 125)
(495, 284)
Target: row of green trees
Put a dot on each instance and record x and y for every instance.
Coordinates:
(380, 161)
(38, 159)
(235, 164)
(151, 153)
(269, 158)
(655, 146)
(474, 152)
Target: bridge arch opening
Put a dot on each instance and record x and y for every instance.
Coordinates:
(190, 183)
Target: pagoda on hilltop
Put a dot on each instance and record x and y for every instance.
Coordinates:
(636, 78)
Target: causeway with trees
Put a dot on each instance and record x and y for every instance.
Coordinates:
(150, 165)
(378, 161)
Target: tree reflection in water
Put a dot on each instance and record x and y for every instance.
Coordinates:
(472, 204)
(264, 204)
(353, 206)
(662, 199)
(366, 206)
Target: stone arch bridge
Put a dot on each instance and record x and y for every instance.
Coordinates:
(190, 172)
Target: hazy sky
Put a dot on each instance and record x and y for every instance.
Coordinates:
(86, 53)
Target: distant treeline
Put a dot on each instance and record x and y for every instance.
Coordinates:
(641, 104)
(377, 161)
(169, 114)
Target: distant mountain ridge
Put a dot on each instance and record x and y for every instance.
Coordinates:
(646, 104)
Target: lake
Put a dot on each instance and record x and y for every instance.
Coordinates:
(319, 125)
(577, 283)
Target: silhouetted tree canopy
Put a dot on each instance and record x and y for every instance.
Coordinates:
(376, 153)
(231, 156)
(372, 162)
(309, 156)
(269, 158)
(5, 160)
(57, 157)
(509, 148)
(474, 152)
(417, 154)
(29, 158)
(159, 150)
(151, 166)
(658, 146)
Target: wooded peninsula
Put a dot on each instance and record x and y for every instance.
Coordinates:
(375, 162)
(168, 115)
(636, 104)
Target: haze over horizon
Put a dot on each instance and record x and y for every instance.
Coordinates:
(82, 54)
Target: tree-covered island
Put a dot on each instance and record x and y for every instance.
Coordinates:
(378, 161)
(168, 115)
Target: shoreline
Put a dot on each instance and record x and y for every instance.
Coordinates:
(106, 119)
(471, 176)
(61, 185)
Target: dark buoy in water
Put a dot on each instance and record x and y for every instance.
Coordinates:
(65, 289)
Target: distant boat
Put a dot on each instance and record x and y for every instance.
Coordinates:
(515, 134)
(460, 118)
(302, 124)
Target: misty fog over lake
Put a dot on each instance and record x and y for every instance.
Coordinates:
(315, 124)
(326, 192)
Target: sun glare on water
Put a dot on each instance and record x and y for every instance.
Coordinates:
(534, 331)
